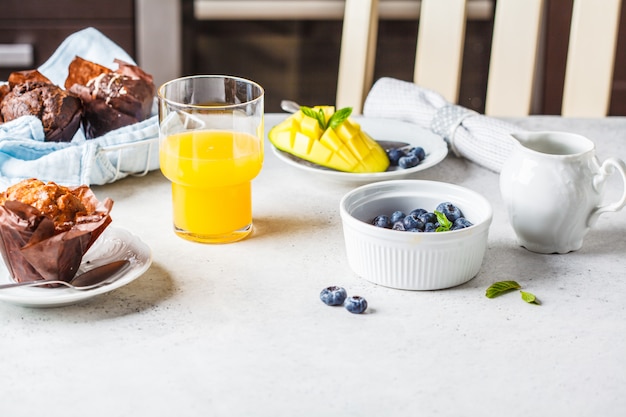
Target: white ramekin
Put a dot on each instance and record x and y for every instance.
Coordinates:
(414, 261)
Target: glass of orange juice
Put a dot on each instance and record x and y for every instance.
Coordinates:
(210, 148)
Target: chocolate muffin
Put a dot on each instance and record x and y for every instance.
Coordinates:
(111, 99)
(60, 204)
(60, 112)
(46, 228)
(4, 90)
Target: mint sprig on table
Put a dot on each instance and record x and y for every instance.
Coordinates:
(334, 121)
(502, 287)
(529, 298)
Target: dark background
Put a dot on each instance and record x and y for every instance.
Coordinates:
(294, 59)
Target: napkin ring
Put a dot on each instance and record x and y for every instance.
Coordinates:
(447, 119)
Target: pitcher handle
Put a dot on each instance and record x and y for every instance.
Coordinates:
(609, 166)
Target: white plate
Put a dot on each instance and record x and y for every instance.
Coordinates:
(113, 244)
(381, 129)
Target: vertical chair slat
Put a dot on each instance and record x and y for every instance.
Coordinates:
(513, 62)
(591, 58)
(440, 40)
(358, 51)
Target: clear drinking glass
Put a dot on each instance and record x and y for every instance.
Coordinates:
(210, 148)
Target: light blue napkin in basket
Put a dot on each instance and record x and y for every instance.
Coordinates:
(131, 150)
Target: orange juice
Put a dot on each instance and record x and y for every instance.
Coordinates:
(211, 174)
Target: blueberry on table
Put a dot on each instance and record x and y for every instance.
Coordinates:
(356, 304)
(333, 296)
(449, 210)
(382, 221)
(408, 161)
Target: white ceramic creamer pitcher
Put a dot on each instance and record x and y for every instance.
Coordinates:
(553, 189)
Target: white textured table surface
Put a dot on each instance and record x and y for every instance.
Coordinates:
(239, 330)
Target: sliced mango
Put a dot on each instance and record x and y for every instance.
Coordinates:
(344, 147)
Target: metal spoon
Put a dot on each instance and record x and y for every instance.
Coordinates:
(291, 107)
(94, 278)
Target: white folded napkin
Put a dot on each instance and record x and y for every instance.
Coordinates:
(481, 139)
(122, 152)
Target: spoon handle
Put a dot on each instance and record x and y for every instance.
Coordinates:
(34, 284)
(95, 277)
(289, 106)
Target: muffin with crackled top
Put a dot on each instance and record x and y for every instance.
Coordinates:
(30, 93)
(46, 228)
(111, 99)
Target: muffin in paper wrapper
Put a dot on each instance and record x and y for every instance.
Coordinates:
(33, 249)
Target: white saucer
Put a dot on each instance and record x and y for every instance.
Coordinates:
(113, 244)
(380, 129)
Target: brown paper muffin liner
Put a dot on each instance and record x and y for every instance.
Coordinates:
(31, 248)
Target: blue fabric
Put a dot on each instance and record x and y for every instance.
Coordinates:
(122, 152)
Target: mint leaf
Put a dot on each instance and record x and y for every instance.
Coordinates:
(501, 287)
(335, 120)
(339, 117)
(308, 111)
(530, 298)
(444, 223)
(321, 119)
(319, 115)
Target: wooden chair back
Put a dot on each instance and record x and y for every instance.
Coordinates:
(517, 44)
